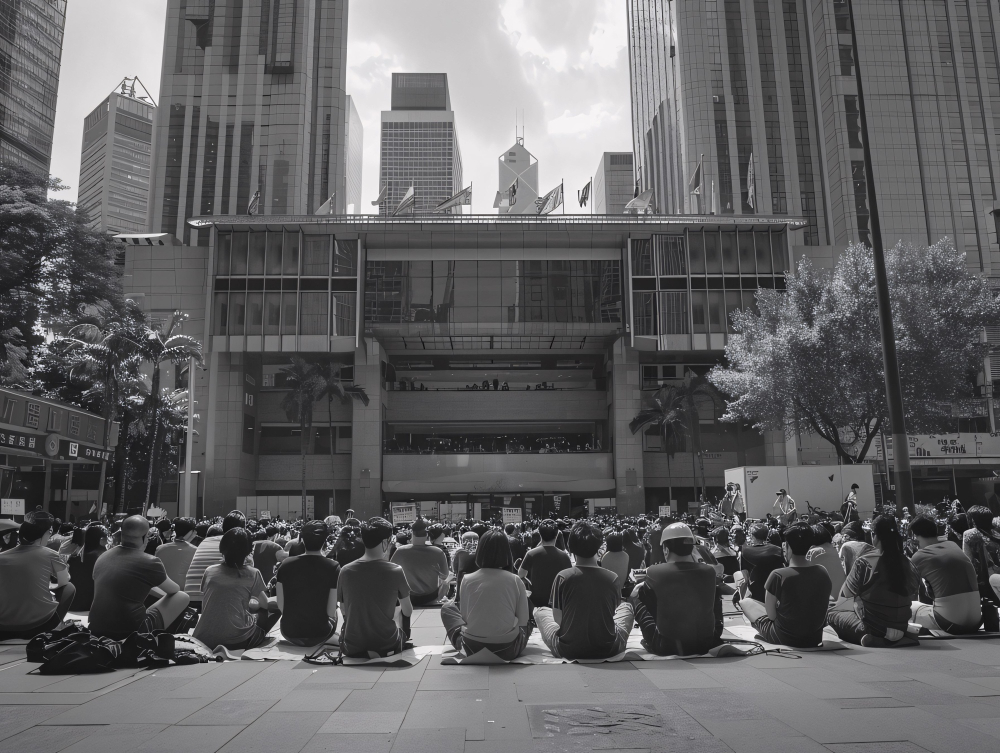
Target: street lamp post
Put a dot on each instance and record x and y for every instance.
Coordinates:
(902, 473)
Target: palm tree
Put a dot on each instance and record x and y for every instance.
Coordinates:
(305, 387)
(162, 346)
(333, 386)
(675, 412)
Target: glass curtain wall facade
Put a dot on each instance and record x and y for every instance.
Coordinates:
(115, 164)
(31, 40)
(253, 101)
(614, 183)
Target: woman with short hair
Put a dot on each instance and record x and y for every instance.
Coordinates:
(493, 613)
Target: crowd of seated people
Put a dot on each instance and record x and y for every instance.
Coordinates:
(480, 444)
(583, 585)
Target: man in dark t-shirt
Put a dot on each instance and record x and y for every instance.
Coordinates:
(679, 605)
(758, 558)
(543, 563)
(123, 578)
(796, 597)
(265, 553)
(585, 620)
(369, 590)
(307, 590)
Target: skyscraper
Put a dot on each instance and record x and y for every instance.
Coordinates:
(518, 185)
(729, 82)
(419, 143)
(252, 97)
(114, 163)
(31, 40)
(355, 156)
(614, 183)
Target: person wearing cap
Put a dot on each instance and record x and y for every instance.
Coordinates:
(124, 577)
(679, 605)
(785, 506)
(307, 590)
(726, 506)
(425, 567)
(35, 592)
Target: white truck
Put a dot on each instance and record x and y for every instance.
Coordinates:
(823, 486)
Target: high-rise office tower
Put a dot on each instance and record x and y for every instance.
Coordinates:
(355, 157)
(31, 40)
(614, 183)
(114, 163)
(419, 145)
(726, 82)
(518, 185)
(252, 99)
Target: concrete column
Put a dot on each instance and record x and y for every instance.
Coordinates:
(630, 489)
(366, 445)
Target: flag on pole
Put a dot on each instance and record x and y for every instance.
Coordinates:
(584, 196)
(381, 195)
(641, 203)
(550, 201)
(462, 198)
(512, 192)
(498, 202)
(713, 198)
(254, 204)
(750, 184)
(408, 202)
(635, 194)
(327, 206)
(695, 185)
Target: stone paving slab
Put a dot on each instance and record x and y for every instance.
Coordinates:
(943, 697)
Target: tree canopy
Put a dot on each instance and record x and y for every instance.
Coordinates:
(811, 359)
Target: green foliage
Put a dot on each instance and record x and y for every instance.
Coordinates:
(52, 267)
(811, 359)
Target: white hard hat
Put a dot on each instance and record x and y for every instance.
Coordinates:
(676, 531)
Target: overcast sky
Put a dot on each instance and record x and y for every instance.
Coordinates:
(562, 62)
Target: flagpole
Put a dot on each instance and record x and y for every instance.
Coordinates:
(562, 192)
(701, 200)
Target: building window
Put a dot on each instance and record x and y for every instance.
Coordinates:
(314, 315)
(846, 60)
(673, 311)
(861, 200)
(853, 116)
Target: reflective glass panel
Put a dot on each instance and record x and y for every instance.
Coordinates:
(258, 243)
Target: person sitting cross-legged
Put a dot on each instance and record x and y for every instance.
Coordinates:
(493, 613)
(235, 605)
(797, 597)
(177, 555)
(679, 604)
(541, 564)
(307, 590)
(875, 600)
(586, 620)
(425, 567)
(369, 589)
(758, 557)
(950, 582)
(123, 578)
(208, 554)
(35, 592)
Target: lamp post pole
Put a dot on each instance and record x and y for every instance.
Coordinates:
(903, 475)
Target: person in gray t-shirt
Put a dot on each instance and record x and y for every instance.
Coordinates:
(425, 567)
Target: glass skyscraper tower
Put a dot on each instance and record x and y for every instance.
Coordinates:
(252, 99)
(724, 83)
(31, 39)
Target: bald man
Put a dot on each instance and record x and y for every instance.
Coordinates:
(124, 576)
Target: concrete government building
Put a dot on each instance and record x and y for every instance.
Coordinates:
(504, 356)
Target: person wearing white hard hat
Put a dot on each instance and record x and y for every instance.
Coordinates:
(678, 606)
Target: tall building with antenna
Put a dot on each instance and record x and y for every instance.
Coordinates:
(115, 159)
(518, 186)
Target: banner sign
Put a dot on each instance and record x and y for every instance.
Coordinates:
(945, 446)
(511, 515)
(12, 507)
(664, 511)
(404, 513)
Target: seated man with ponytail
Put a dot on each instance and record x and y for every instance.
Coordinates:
(234, 604)
(875, 600)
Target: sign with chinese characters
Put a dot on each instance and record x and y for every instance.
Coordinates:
(11, 507)
(404, 513)
(664, 511)
(511, 515)
(924, 446)
(20, 440)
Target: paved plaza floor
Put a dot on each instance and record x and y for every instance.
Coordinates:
(943, 696)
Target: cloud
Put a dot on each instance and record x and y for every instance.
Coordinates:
(596, 118)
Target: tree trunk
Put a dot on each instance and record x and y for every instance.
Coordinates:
(156, 430)
(670, 486)
(121, 461)
(333, 442)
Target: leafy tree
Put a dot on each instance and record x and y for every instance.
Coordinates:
(811, 359)
(305, 387)
(674, 410)
(52, 267)
(164, 346)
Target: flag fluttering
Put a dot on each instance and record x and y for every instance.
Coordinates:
(584, 196)
(381, 195)
(462, 198)
(327, 207)
(550, 201)
(751, 188)
(408, 202)
(641, 204)
(254, 203)
(694, 186)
